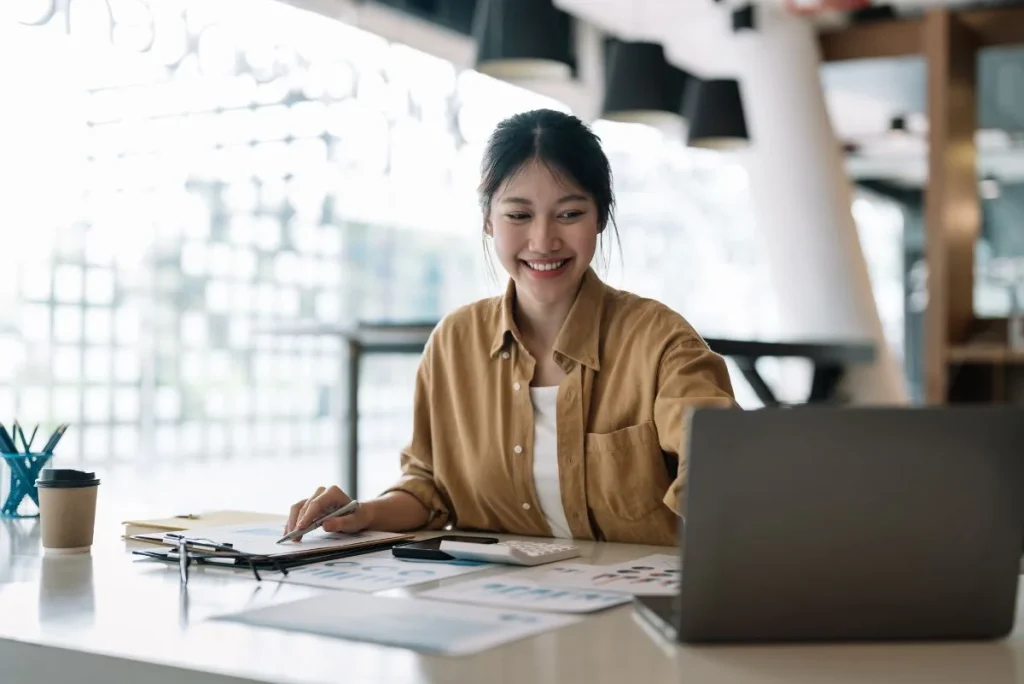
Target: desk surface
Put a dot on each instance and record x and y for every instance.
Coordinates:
(107, 617)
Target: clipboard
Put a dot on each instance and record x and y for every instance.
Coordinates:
(256, 542)
(266, 563)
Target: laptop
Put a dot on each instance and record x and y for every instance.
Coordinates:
(848, 524)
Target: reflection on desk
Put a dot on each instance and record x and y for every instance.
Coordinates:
(109, 618)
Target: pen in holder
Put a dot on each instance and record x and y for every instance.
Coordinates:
(24, 467)
(24, 471)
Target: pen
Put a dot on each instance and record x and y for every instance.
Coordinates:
(28, 446)
(6, 443)
(348, 509)
(54, 438)
(20, 432)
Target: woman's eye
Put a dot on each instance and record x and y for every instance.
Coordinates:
(572, 214)
(517, 216)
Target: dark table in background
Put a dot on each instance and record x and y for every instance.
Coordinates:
(830, 362)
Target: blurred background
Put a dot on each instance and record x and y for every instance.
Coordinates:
(189, 188)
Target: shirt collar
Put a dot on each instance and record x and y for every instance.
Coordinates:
(579, 337)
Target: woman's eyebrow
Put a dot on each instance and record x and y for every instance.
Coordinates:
(561, 200)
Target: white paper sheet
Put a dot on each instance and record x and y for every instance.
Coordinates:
(375, 572)
(655, 575)
(510, 592)
(261, 539)
(416, 624)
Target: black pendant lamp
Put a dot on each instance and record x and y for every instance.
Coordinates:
(640, 86)
(714, 109)
(523, 39)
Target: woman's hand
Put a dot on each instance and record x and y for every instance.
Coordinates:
(302, 513)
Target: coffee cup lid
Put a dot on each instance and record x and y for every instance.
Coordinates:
(58, 477)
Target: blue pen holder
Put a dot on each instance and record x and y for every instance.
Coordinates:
(24, 469)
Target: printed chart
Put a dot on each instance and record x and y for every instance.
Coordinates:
(656, 575)
(375, 572)
(503, 592)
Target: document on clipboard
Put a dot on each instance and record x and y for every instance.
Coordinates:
(259, 540)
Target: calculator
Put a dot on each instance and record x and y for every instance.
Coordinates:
(511, 552)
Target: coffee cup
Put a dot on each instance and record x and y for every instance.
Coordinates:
(67, 509)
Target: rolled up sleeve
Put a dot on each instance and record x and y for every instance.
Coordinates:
(690, 376)
(417, 460)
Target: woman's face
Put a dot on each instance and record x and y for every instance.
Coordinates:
(545, 233)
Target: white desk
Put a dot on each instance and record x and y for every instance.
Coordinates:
(108, 618)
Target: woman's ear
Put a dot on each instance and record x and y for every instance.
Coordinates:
(488, 228)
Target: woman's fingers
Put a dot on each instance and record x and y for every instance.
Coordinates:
(330, 500)
(298, 509)
(305, 507)
(293, 515)
(348, 524)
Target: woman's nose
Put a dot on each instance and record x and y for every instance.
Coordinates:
(544, 236)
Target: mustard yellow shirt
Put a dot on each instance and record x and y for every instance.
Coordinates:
(634, 369)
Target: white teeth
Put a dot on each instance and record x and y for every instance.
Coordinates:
(548, 266)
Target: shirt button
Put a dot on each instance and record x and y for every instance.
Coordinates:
(518, 449)
(516, 386)
(505, 355)
(526, 506)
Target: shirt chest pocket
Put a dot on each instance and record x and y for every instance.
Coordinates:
(626, 472)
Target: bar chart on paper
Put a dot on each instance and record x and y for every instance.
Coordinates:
(376, 572)
(502, 592)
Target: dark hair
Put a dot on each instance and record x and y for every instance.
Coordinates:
(563, 143)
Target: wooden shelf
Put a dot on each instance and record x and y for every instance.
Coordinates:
(985, 353)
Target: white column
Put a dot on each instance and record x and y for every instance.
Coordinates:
(802, 201)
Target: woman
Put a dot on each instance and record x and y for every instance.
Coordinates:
(559, 408)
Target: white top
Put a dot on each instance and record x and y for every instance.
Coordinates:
(545, 459)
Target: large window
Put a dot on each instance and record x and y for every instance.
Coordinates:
(187, 181)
